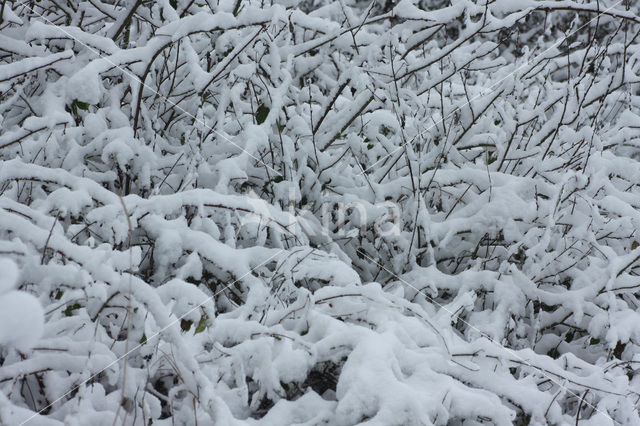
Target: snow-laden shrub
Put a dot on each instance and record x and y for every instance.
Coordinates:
(21, 315)
(21, 326)
(241, 212)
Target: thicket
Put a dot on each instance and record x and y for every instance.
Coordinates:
(321, 212)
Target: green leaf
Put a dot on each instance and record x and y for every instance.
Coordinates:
(554, 353)
(59, 294)
(82, 105)
(278, 179)
(143, 339)
(186, 324)
(193, 281)
(202, 324)
(569, 336)
(262, 113)
(619, 349)
(76, 105)
(522, 419)
(70, 308)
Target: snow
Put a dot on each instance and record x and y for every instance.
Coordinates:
(84, 87)
(15, 69)
(319, 212)
(21, 315)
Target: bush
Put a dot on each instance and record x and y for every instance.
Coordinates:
(334, 212)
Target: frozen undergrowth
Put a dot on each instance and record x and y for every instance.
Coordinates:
(336, 212)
